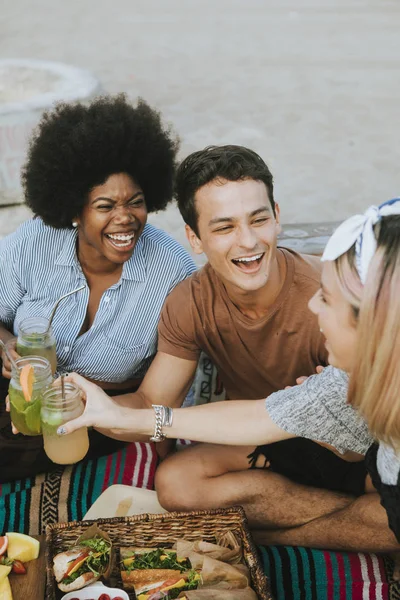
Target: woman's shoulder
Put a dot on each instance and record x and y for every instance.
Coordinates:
(331, 383)
(337, 377)
(34, 245)
(158, 238)
(158, 244)
(30, 233)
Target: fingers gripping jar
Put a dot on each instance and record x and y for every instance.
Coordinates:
(57, 410)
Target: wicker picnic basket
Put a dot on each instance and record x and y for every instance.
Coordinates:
(159, 530)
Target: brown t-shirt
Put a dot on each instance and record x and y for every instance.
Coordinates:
(254, 358)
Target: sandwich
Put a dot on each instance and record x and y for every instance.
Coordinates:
(82, 564)
(156, 573)
(168, 589)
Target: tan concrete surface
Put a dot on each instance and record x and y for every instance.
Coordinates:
(314, 86)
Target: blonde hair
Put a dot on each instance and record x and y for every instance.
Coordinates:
(374, 388)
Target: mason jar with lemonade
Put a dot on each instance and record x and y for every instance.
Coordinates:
(59, 405)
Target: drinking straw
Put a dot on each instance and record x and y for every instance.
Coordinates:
(53, 312)
(63, 390)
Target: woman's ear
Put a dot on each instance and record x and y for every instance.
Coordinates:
(194, 240)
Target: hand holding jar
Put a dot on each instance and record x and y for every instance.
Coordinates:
(59, 405)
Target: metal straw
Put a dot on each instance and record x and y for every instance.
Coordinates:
(53, 312)
(62, 387)
(63, 390)
(10, 358)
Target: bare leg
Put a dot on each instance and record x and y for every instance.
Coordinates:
(360, 526)
(208, 476)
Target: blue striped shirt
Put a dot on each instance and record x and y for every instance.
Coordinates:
(38, 264)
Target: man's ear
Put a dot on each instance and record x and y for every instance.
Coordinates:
(193, 240)
(278, 217)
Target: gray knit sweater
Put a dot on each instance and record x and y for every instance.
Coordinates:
(318, 410)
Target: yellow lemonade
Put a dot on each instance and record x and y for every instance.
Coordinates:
(56, 410)
(66, 449)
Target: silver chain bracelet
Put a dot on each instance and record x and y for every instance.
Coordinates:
(163, 416)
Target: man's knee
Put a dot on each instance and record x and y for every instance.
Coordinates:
(177, 485)
(184, 481)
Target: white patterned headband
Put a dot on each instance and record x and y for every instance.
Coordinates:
(359, 230)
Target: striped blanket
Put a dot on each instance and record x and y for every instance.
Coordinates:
(296, 573)
(305, 574)
(66, 493)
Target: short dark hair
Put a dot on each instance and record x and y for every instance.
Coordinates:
(77, 147)
(233, 163)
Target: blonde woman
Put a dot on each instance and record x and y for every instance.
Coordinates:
(358, 309)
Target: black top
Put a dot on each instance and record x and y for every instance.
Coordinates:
(390, 494)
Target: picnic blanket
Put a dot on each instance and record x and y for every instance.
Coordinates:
(306, 574)
(66, 493)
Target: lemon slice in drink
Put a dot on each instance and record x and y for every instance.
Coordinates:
(22, 547)
(27, 379)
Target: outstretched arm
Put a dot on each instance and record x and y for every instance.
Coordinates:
(240, 422)
(167, 382)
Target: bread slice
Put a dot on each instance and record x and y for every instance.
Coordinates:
(139, 579)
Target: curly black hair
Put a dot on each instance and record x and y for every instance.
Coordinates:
(77, 147)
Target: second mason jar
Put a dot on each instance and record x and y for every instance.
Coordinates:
(58, 408)
(36, 338)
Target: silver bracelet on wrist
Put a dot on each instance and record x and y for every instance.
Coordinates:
(163, 418)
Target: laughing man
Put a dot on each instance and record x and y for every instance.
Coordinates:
(247, 310)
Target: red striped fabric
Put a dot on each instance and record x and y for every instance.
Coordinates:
(117, 468)
(370, 571)
(341, 576)
(107, 472)
(356, 576)
(145, 466)
(329, 576)
(130, 464)
(139, 468)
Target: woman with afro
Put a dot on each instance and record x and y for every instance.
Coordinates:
(92, 175)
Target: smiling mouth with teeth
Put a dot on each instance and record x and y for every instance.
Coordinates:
(248, 263)
(248, 259)
(121, 240)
